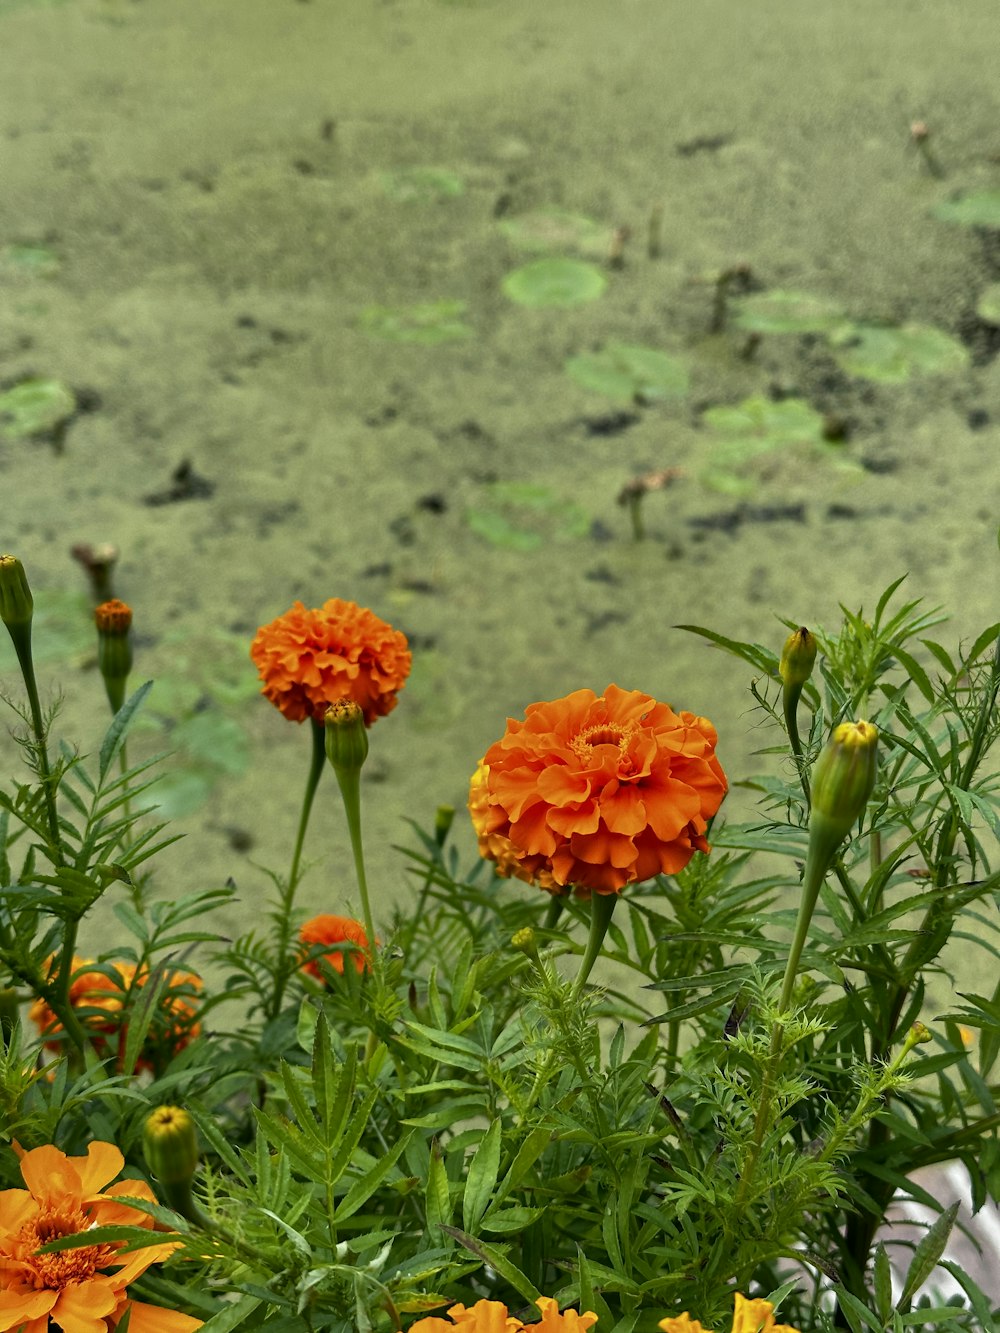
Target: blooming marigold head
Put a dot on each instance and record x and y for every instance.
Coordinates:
(492, 1317)
(497, 847)
(309, 660)
(749, 1316)
(603, 790)
(113, 617)
(74, 1288)
(328, 929)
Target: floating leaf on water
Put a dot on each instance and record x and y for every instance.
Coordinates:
(428, 323)
(758, 426)
(554, 282)
(35, 407)
(786, 312)
(890, 353)
(521, 515)
(988, 305)
(629, 373)
(29, 261)
(214, 740)
(500, 531)
(181, 791)
(979, 208)
(421, 184)
(554, 229)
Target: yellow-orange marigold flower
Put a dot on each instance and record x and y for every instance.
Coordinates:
(496, 847)
(749, 1316)
(328, 929)
(492, 1317)
(603, 790)
(101, 1000)
(310, 659)
(73, 1288)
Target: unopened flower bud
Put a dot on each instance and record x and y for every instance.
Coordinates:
(524, 940)
(842, 780)
(114, 648)
(170, 1143)
(346, 736)
(443, 820)
(16, 602)
(797, 657)
(919, 1034)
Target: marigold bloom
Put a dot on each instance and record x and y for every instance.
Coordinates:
(492, 1317)
(101, 1000)
(309, 660)
(496, 847)
(74, 1288)
(113, 617)
(602, 791)
(328, 929)
(749, 1316)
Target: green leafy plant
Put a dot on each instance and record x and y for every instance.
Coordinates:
(555, 282)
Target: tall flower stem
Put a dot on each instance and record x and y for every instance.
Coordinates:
(349, 781)
(602, 907)
(21, 638)
(317, 763)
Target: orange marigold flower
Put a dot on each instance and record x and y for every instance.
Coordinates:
(749, 1316)
(492, 1317)
(496, 847)
(603, 791)
(310, 659)
(114, 617)
(73, 1288)
(328, 929)
(101, 1003)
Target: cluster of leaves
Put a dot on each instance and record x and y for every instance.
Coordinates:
(459, 1120)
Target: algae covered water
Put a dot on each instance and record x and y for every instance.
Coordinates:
(393, 302)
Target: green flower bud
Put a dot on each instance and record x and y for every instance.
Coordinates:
(16, 602)
(797, 658)
(842, 781)
(114, 648)
(443, 820)
(170, 1143)
(346, 736)
(524, 940)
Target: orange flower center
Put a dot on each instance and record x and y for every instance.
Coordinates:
(54, 1271)
(586, 741)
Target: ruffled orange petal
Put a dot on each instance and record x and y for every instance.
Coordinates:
(16, 1206)
(155, 1319)
(570, 1321)
(83, 1307)
(21, 1304)
(484, 1317)
(49, 1174)
(682, 1323)
(101, 1164)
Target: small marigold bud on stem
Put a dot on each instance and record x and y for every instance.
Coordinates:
(170, 1145)
(16, 602)
(114, 648)
(346, 736)
(842, 780)
(797, 657)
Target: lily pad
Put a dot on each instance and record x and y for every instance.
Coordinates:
(786, 312)
(892, 353)
(421, 184)
(36, 408)
(548, 230)
(988, 305)
(979, 208)
(28, 261)
(427, 323)
(759, 426)
(556, 282)
(522, 515)
(628, 372)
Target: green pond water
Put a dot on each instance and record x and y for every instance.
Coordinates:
(295, 246)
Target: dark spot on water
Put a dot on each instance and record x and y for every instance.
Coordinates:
(185, 484)
(87, 399)
(840, 511)
(604, 618)
(730, 520)
(980, 337)
(379, 571)
(402, 529)
(602, 574)
(610, 423)
(600, 532)
(432, 504)
(879, 467)
(245, 322)
(702, 143)
(240, 839)
(303, 166)
(978, 418)
(417, 585)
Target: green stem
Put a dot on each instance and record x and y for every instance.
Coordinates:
(790, 696)
(22, 646)
(317, 763)
(602, 906)
(349, 781)
(554, 911)
(817, 862)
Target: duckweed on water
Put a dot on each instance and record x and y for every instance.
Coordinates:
(786, 312)
(522, 516)
(548, 230)
(428, 322)
(36, 408)
(421, 184)
(759, 426)
(978, 208)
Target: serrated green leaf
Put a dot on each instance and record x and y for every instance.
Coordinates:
(927, 1253)
(114, 738)
(481, 1178)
